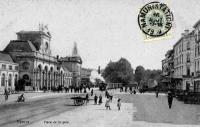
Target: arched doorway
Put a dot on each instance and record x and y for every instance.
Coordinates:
(45, 77)
(51, 77)
(39, 77)
(26, 79)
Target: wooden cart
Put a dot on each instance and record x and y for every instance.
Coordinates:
(79, 100)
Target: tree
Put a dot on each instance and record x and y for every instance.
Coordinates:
(139, 74)
(118, 72)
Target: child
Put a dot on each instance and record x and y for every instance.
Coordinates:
(107, 105)
(119, 103)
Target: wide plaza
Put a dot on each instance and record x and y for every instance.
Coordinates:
(137, 110)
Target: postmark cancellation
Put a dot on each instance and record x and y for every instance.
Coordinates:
(155, 20)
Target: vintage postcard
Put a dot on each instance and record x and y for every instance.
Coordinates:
(99, 63)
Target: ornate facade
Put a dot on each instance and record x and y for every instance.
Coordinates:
(38, 69)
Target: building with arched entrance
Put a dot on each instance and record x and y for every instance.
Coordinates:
(38, 69)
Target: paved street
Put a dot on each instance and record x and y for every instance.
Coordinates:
(38, 106)
(137, 110)
(155, 110)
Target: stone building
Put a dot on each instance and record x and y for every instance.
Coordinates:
(197, 57)
(168, 68)
(73, 64)
(38, 69)
(8, 73)
(184, 50)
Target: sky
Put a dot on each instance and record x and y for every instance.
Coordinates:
(104, 30)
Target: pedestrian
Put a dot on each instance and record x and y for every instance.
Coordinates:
(156, 93)
(111, 97)
(87, 98)
(106, 94)
(6, 94)
(92, 92)
(125, 89)
(170, 99)
(107, 104)
(100, 99)
(95, 99)
(119, 103)
(134, 91)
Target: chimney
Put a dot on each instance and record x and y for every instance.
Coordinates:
(186, 32)
(182, 34)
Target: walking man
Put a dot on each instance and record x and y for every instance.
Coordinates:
(6, 94)
(170, 99)
(95, 99)
(119, 103)
(87, 98)
(92, 92)
(156, 93)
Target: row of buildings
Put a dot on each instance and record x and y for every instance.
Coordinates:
(181, 66)
(27, 64)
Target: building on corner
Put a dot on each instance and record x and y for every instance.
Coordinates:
(8, 73)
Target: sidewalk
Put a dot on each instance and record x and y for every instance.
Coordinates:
(35, 95)
(97, 116)
(31, 96)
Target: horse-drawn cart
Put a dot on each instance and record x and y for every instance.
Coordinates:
(79, 100)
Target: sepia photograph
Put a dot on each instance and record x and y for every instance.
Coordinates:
(99, 63)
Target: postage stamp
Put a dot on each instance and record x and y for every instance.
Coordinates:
(155, 19)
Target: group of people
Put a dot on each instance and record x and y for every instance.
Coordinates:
(20, 98)
(96, 99)
(80, 89)
(109, 97)
(108, 101)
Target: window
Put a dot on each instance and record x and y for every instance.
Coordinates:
(3, 66)
(198, 50)
(179, 48)
(10, 80)
(188, 71)
(182, 46)
(195, 50)
(195, 66)
(25, 65)
(188, 57)
(182, 58)
(188, 45)
(16, 68)
(10, 67)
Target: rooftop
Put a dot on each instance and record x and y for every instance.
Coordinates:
(196, 24)
(19, 45)
(5, 57)
(34, 32)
